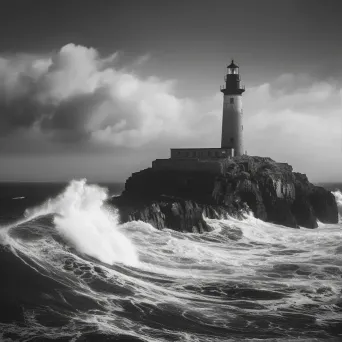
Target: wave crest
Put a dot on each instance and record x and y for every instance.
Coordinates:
(81, 217)
(338, 198)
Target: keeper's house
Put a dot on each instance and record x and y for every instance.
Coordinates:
(209, 160)
(201, 153)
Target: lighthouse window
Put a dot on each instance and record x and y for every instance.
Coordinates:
(231, 100)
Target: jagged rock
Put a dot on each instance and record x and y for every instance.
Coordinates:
(179, 199)
(323, 203)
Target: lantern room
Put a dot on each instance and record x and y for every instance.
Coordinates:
(232, 81)
(232, 68)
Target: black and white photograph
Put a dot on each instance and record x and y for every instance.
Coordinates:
(170, 171)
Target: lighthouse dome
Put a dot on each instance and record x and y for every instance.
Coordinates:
(232, 65)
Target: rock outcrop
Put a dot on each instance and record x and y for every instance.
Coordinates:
(179, 199)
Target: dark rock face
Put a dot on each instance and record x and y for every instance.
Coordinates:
(179, 199)
(174, 213)
(323, 204)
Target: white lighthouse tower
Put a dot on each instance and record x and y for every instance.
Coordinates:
(232, 127)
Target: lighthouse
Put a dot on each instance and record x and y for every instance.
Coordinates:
(209, 159)
(232, 126)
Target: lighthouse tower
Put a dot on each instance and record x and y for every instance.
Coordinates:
(232, 128)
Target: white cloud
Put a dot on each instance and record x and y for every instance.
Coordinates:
(299, 125)
(74, 95)
(71, 95)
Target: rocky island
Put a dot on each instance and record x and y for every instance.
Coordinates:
(180, 198)
(216, 182)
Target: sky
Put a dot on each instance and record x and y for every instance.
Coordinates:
(99, 89)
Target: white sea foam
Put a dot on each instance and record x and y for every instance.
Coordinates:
(338, 197)
(82, 219)
(192, 275)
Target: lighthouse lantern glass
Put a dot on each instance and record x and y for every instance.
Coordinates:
(233, 71)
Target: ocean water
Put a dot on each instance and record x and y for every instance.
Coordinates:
(70, 272)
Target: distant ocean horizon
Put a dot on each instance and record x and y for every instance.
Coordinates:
(331, 186)
(16, 197)
(32, 193)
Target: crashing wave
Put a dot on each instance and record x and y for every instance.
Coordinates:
(82, 219)
(338, 197)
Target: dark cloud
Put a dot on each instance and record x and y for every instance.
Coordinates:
(74, 94)
(71, 120)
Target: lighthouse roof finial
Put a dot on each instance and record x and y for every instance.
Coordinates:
(232, 65)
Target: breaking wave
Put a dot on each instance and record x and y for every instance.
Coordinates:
(83, 220)
(88, 277)
(338, 197)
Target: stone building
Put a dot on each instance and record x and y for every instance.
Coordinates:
(201, 153)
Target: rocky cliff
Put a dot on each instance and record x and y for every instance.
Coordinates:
(179, 199)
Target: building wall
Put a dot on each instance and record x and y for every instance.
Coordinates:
(232, 124)
(201, 153)
(192, 165)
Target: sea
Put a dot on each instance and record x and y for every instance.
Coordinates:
(70, 271)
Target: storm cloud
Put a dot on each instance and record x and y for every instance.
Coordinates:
(76, 95)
